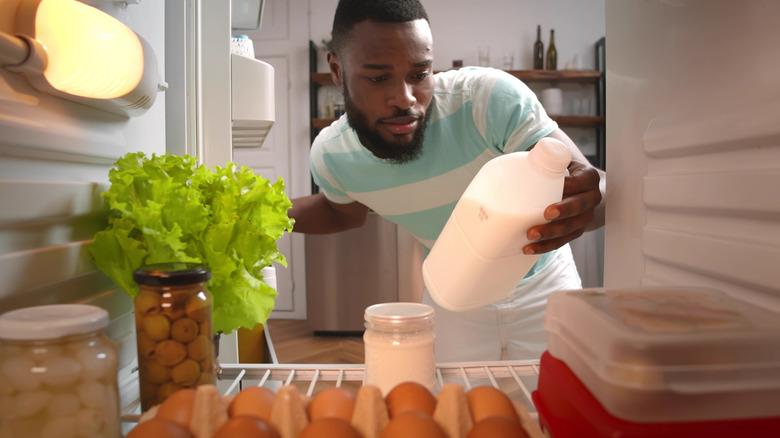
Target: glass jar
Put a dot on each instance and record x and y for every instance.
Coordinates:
(399, 345)
(58, 373)
(174, 330)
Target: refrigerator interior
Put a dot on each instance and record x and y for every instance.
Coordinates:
(693, 146)
(692, 153)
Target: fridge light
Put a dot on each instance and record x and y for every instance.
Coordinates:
(91, 54)
(80, 53)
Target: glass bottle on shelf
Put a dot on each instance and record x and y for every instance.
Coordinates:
(538, 50)
(552, 53)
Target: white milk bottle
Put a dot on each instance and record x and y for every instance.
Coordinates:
(478, 258)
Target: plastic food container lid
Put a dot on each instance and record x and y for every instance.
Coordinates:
(668, 346)
(52, 321)
(673, 331)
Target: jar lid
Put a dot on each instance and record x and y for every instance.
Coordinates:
(171, 274)
(399, 313)
(52, 321)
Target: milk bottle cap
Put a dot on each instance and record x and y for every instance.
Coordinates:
(550, 156)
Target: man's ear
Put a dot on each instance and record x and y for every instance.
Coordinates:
(336, 72)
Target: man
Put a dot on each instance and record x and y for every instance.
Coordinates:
(411, 142)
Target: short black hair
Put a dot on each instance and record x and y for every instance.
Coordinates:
(351, 12)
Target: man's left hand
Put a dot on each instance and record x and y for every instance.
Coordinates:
(573, 215)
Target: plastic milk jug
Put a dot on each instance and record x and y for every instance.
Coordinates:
(478, 258)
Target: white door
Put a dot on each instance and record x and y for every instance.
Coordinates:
(282, 41)
(693, 146)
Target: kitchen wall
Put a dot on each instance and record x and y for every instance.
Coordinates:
(460, 26)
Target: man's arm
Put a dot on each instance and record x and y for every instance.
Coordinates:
(580, 210)
(315, 214)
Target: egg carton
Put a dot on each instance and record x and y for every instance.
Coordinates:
(517, 379)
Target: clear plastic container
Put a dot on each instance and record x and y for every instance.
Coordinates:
(58, 373)
(399, 345)
(174, 330)
(478, 258)
(669, 354)
(568, 410)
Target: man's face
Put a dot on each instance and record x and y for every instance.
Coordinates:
(386, 72)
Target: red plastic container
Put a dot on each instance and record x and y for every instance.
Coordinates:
(568, 410)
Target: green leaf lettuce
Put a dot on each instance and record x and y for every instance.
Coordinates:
(167, 209)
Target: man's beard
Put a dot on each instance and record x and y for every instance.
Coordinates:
(396, 152)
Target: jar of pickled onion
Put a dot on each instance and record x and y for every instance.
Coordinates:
(58, 373)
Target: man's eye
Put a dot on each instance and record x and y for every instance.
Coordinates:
(421, 76)
(375, 78)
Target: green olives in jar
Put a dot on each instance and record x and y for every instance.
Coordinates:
(174, 330)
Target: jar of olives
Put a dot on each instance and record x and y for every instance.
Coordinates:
(58, 373)
(174, 330)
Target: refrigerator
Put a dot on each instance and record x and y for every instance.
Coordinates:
(693, 146)
(692, 139)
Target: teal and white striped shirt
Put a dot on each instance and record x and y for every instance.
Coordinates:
(477, 114)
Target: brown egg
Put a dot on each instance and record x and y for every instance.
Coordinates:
(158, 428)
(333, 402)
(254, 401)
(410, 396)
(328, 427)
(498, 427)
(178, 407)
(487, 401)
(412, 424)
(245, 426)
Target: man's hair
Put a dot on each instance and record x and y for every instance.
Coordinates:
(351, 12)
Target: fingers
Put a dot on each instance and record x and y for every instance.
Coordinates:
(580, 193)
(569, 218)
(555, 234)
(551, 244)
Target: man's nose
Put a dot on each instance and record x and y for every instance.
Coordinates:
(402, 95)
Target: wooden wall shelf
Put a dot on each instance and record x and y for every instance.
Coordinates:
(581, 76)
(570, 121)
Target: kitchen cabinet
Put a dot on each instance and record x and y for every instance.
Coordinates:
(553, 77)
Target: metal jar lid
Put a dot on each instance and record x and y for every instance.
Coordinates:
(52, 322)
(171, 274)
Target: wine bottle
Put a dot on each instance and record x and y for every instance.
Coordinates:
(538, 50)
(552, 54)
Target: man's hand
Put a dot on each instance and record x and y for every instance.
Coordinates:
(575, 214)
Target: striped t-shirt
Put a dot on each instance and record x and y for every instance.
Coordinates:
(476, 114)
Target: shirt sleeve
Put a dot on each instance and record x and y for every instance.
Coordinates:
(322, 175)
(514, 118)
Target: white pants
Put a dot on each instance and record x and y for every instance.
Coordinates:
(513, 325)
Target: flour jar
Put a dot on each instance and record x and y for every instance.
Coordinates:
(174, 330)
(399, 345)
(58, 373)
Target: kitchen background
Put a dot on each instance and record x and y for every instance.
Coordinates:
(692, 133)
(56, 154)
(381, 263)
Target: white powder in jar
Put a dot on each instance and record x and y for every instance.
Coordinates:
(399, 345)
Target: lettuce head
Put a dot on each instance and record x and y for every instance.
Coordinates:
(166, 209)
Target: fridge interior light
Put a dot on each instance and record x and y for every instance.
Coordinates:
(82, 54)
